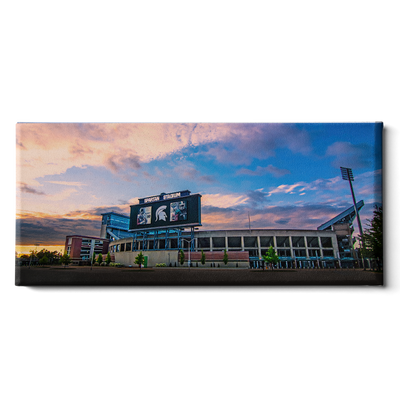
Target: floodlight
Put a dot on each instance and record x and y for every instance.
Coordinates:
(347, 175)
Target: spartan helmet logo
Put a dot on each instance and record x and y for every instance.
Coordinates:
(161, 214)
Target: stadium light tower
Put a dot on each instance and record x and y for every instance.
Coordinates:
(347, 175)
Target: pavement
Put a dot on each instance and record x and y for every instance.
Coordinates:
(112, 276)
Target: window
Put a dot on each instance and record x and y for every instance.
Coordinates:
(328, 253)
(234, 241)
(326, 242)
(252, 252)
(282, 241)
(266, 241)
(122, 246)
(128, 246)
(312, 241)
(284, 253)
(314, 253)
(250, 241)
(298, 241)
(218, 242)
(299, 253)
(204, 243)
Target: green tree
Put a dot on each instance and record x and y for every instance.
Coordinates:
(44, 260)
(100, 259)
(108, 258)
(93, 258)
(225, 259)
(181, 257)
(373, 236)
(203, 258)
(271, 257)
(65, 259)
(139, 259)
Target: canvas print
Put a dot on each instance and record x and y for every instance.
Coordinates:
(199, 204)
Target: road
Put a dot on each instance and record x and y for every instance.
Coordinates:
(101, 276)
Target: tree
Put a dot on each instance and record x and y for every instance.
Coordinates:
(373, 236)
(225, 259)
(100, 259)
(44, 260)
(65, 259)
(181, 257)
(271, 257)
(203, 258)
(108, 258)
(139, 259)
(93, 258)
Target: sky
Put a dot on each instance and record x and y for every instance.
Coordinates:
(284, 176)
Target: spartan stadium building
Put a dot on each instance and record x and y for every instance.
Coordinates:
(162, 225)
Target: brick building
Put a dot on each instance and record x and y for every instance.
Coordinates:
(81, 248)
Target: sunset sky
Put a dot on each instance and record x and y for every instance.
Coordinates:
(284, 175)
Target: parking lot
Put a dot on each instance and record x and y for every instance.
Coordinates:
(111, 276)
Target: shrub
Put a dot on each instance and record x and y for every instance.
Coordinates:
(108, 258)
(96, 264)
(114, 264)
(161, 265)
(103, 264)
(139, 259)
(203, 258)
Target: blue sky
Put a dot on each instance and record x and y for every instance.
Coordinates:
(287, 176)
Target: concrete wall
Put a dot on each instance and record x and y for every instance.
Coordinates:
(171, 257)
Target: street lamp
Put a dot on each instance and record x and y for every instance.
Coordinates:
(189, 242)
(347, 175)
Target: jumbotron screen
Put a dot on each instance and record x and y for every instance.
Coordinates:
(176, 212)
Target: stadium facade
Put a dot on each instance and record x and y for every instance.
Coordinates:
(161, 226)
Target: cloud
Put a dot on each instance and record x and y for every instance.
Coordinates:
(259, 171)
(117, 163)
(52, 230)
(23, 187)
(67, 183)
(350, 155)
(286, 188)
(187, 171)
(217, 210)
(319, 185)
(282, 221)
(255, 198)
(241, 143)
(223, 200)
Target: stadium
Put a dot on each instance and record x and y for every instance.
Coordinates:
(161, 226)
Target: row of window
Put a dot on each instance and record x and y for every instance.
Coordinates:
(88, 242)
(253, 252)
(236, 243)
